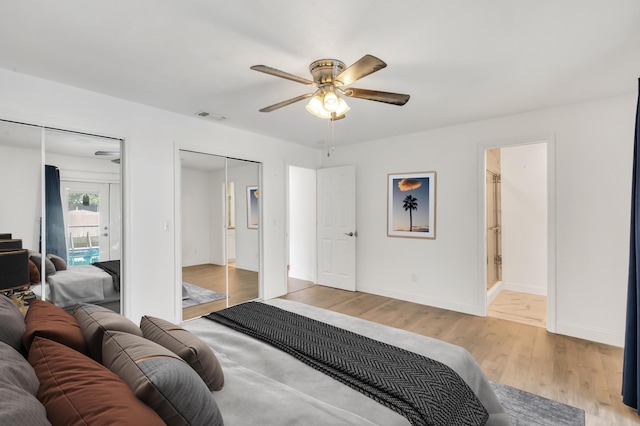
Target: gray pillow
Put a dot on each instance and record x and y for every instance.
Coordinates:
(19, 407)
(159, 378)
(94, 320)
(13, 326)
(18, 389)
(49, 267)
(15, 371)
(187, 346)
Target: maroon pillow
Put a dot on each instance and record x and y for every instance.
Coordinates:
(77, 390)
(34, 273)
(47, 320)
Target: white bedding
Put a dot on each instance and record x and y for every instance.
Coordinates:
(266, 386)
(79, 284)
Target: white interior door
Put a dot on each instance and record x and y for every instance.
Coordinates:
(336, 227)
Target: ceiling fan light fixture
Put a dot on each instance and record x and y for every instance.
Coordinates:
(332, 78)
(318, 106)
(330, 100)
(342, 107)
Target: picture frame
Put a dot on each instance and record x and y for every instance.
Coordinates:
(411, 205)
(253, 210)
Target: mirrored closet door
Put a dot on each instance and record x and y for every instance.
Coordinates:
(66, 187)
(220, 212)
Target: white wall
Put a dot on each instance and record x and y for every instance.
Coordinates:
(302, 223)
(524, 218)
(594, 147)
(20, 190)
(593, 151)
(152, 139)
(196, 220)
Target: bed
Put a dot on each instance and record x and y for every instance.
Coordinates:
(97, 283)
(266, 386)
(94, 366)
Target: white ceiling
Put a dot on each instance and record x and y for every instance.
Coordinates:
(460, 60)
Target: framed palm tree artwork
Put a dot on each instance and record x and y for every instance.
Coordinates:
(411, 205)
(252, 207)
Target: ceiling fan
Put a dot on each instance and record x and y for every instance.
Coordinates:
(110, 154)
(331, 77)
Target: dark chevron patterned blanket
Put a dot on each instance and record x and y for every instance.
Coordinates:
(423, 390)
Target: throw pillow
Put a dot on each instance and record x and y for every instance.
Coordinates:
(94, 320)
(47, 320)
(15, 371)
(187, 346)
(77, 390)
(34, 273)
(160, 379)
(12, 322)
(37, 259)
(59, 263)
(19, 407)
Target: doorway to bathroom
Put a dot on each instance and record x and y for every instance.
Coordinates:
(517, 233)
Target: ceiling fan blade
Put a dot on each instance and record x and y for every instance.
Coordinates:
(366, 65)
(375, 95)
(272, 71)
(285, 103)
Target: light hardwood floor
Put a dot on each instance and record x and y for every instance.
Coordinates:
(584, 374)
(520, 307)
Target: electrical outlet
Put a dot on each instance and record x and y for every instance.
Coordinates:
(414, 277)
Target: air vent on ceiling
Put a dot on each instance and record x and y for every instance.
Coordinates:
(210, 116)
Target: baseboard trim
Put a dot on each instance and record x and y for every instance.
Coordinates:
(494, 291)
(524, 288)
(594, 335)
(429, 301)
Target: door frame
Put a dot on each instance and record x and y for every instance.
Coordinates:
(551, 223)
(288, 224)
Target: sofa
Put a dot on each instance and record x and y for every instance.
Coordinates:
(96, 367)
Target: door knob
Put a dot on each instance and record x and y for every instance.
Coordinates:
(105, 235)
(350, 234)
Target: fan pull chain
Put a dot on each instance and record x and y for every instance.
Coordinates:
(331, 136)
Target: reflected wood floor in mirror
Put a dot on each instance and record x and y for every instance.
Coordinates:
(243, 286)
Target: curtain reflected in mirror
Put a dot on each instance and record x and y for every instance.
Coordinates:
(75, 254)
(220, 252)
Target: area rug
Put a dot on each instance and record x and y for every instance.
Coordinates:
(196, 295)
(527, 409)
